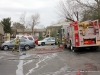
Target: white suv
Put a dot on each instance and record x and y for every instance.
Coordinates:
(29, 38)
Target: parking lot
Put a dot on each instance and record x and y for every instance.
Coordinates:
(49, 60)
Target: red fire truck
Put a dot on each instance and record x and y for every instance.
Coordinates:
(83, 34)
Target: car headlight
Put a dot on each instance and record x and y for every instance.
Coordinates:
(39, 42)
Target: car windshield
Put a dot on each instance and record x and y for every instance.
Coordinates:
(12, 41)
(45, 39)
(53, 38)
(30, 38)
(24, 37)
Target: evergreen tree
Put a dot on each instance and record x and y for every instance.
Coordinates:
(7, 25)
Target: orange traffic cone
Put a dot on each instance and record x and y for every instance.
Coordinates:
(78, 73)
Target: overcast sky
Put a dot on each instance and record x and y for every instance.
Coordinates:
(15, 8)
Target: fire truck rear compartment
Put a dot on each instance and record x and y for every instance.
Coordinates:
(89, 41)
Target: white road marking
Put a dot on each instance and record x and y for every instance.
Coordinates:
(19, 71)
(42, 60)
(64, 70)
(43, 65)
(61, 59)
(28, 62)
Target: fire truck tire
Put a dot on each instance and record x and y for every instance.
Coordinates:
(74, 49)
(71, 47)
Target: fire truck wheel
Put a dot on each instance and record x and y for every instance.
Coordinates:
(73, 50)
(71, 47)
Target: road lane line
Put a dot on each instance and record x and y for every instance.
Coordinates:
(64, 70)
(28, 62)
(19, 71)
(42, 60)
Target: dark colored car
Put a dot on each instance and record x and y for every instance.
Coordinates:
(24, 43)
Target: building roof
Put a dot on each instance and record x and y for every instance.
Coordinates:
(60, 24)
(30, 30)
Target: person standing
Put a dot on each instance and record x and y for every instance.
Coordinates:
(36, 41)
(16, 44)
(63, 41)
(58, 41)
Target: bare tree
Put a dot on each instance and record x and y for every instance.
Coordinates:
(17, 25)
(22, 20)
(34, 21)
(92, 10)
(79, 10)
(67, 10)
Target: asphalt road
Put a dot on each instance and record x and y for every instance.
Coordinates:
(48, 60)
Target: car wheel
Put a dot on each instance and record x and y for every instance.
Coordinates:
(55, 43)
(27, 47)
(52, 44)
(5, 47)
(42, 43)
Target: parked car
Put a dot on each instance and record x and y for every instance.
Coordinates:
(24, 43)
(31, 38)
(28, 38)
(45, 41)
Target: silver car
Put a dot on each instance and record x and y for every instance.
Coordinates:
(24, 43)
(47, 41)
